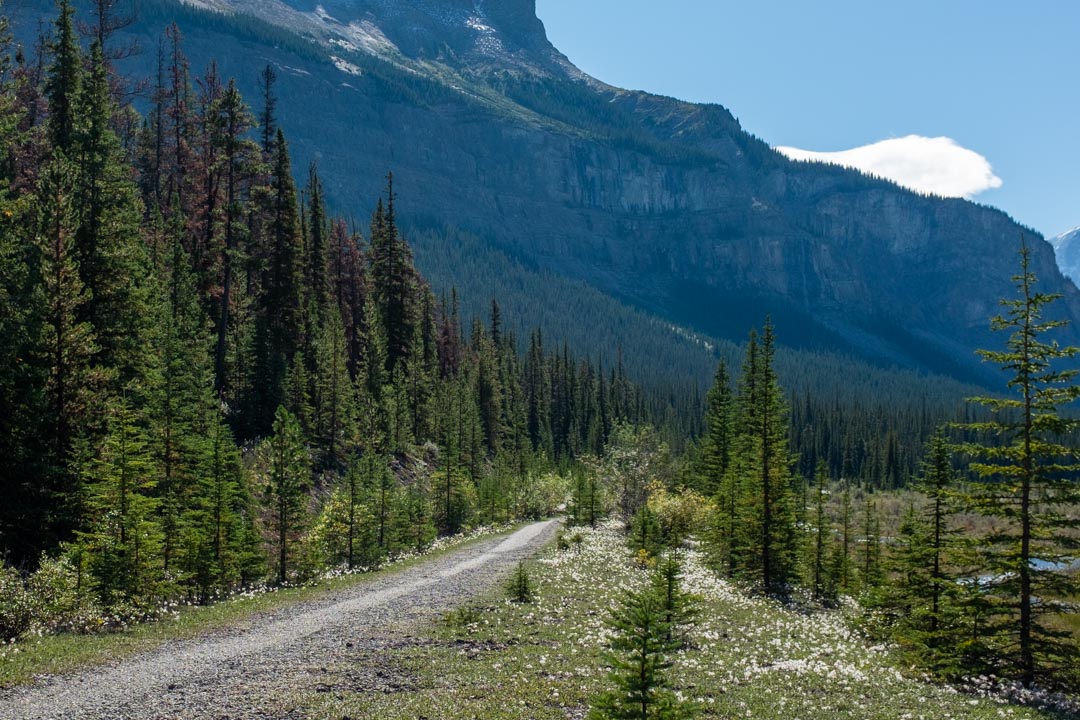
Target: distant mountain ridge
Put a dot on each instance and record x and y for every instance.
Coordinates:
(666, 206)
(1067, 251)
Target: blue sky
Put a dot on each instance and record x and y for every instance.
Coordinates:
(999, 77)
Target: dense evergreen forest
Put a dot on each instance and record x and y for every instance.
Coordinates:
(208, 380)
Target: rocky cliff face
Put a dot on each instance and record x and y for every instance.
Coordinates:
(668, 206)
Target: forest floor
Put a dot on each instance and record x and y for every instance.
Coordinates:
(270, 664)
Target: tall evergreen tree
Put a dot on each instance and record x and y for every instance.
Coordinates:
(716, 444)
(279, 334)
(268, 116)
(767, 518)
(822, 530)
(233, 120)
(393, 280)
(124, 538)
(286, 492)
(64, 81)
(1027, 484)
(68, 345)
(112, 258)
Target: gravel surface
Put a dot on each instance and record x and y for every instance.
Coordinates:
(260, 668)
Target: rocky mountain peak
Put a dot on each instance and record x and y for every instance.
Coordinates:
(470, 33)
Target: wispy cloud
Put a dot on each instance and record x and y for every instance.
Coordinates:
(929, 165)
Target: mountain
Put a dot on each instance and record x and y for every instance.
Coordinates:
(1067, 250)
(610, 217)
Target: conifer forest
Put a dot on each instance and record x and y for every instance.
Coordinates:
(219, 390)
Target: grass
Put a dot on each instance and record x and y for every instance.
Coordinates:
(749, 658)
(22, 661)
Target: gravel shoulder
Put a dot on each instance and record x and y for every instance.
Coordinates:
(255, 669)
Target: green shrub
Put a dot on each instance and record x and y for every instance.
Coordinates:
(520, 586)
(58, 602)
(16, 613)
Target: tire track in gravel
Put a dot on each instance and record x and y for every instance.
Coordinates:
(253, 671)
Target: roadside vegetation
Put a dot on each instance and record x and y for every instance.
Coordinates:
(46, 651)
(744, 656)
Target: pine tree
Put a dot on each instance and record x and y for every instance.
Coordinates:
(871, 559)
(767, 535)
(335, 402)
(232, 121)
(358, 517)
(279, 335)
(124, 538)
(112, 258)
(679, 609)
(225, 554)
(639, 660)
(822, 530)
(520, 586)
(1027, 484)
(317, 269)
(24, 458)
(716, 443)
(179, 397)
(68, 344)
(840, 570)
(64, 81)
(645, 536)
(286, 492)
(393, 280)
(937, 484)
(268, 118)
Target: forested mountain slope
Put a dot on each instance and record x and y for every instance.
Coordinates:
(668, 207)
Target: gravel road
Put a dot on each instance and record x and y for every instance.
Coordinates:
(256, 670)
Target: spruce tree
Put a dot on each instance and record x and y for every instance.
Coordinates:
(335, 401)
(639, 660)
(679, 609)
(924, 598)
(871, 548)
(716, 443)
(24, 459)
(393, 280)
(279, 335)
(822, 530)
(64, 81)
(1027, 484)
(112, 257)
(233, 120)
(766, 536)
(123, 538)
(68, 344)
(286, 492)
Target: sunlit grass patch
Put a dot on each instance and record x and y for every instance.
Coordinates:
(748, 657)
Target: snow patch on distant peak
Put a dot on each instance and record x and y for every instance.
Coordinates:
(218, 6)
(1065, 236)
(345, 66)
(367, 36)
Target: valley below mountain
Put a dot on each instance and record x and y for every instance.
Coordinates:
(693, 227)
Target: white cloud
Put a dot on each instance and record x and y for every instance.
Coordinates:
(929, 165)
